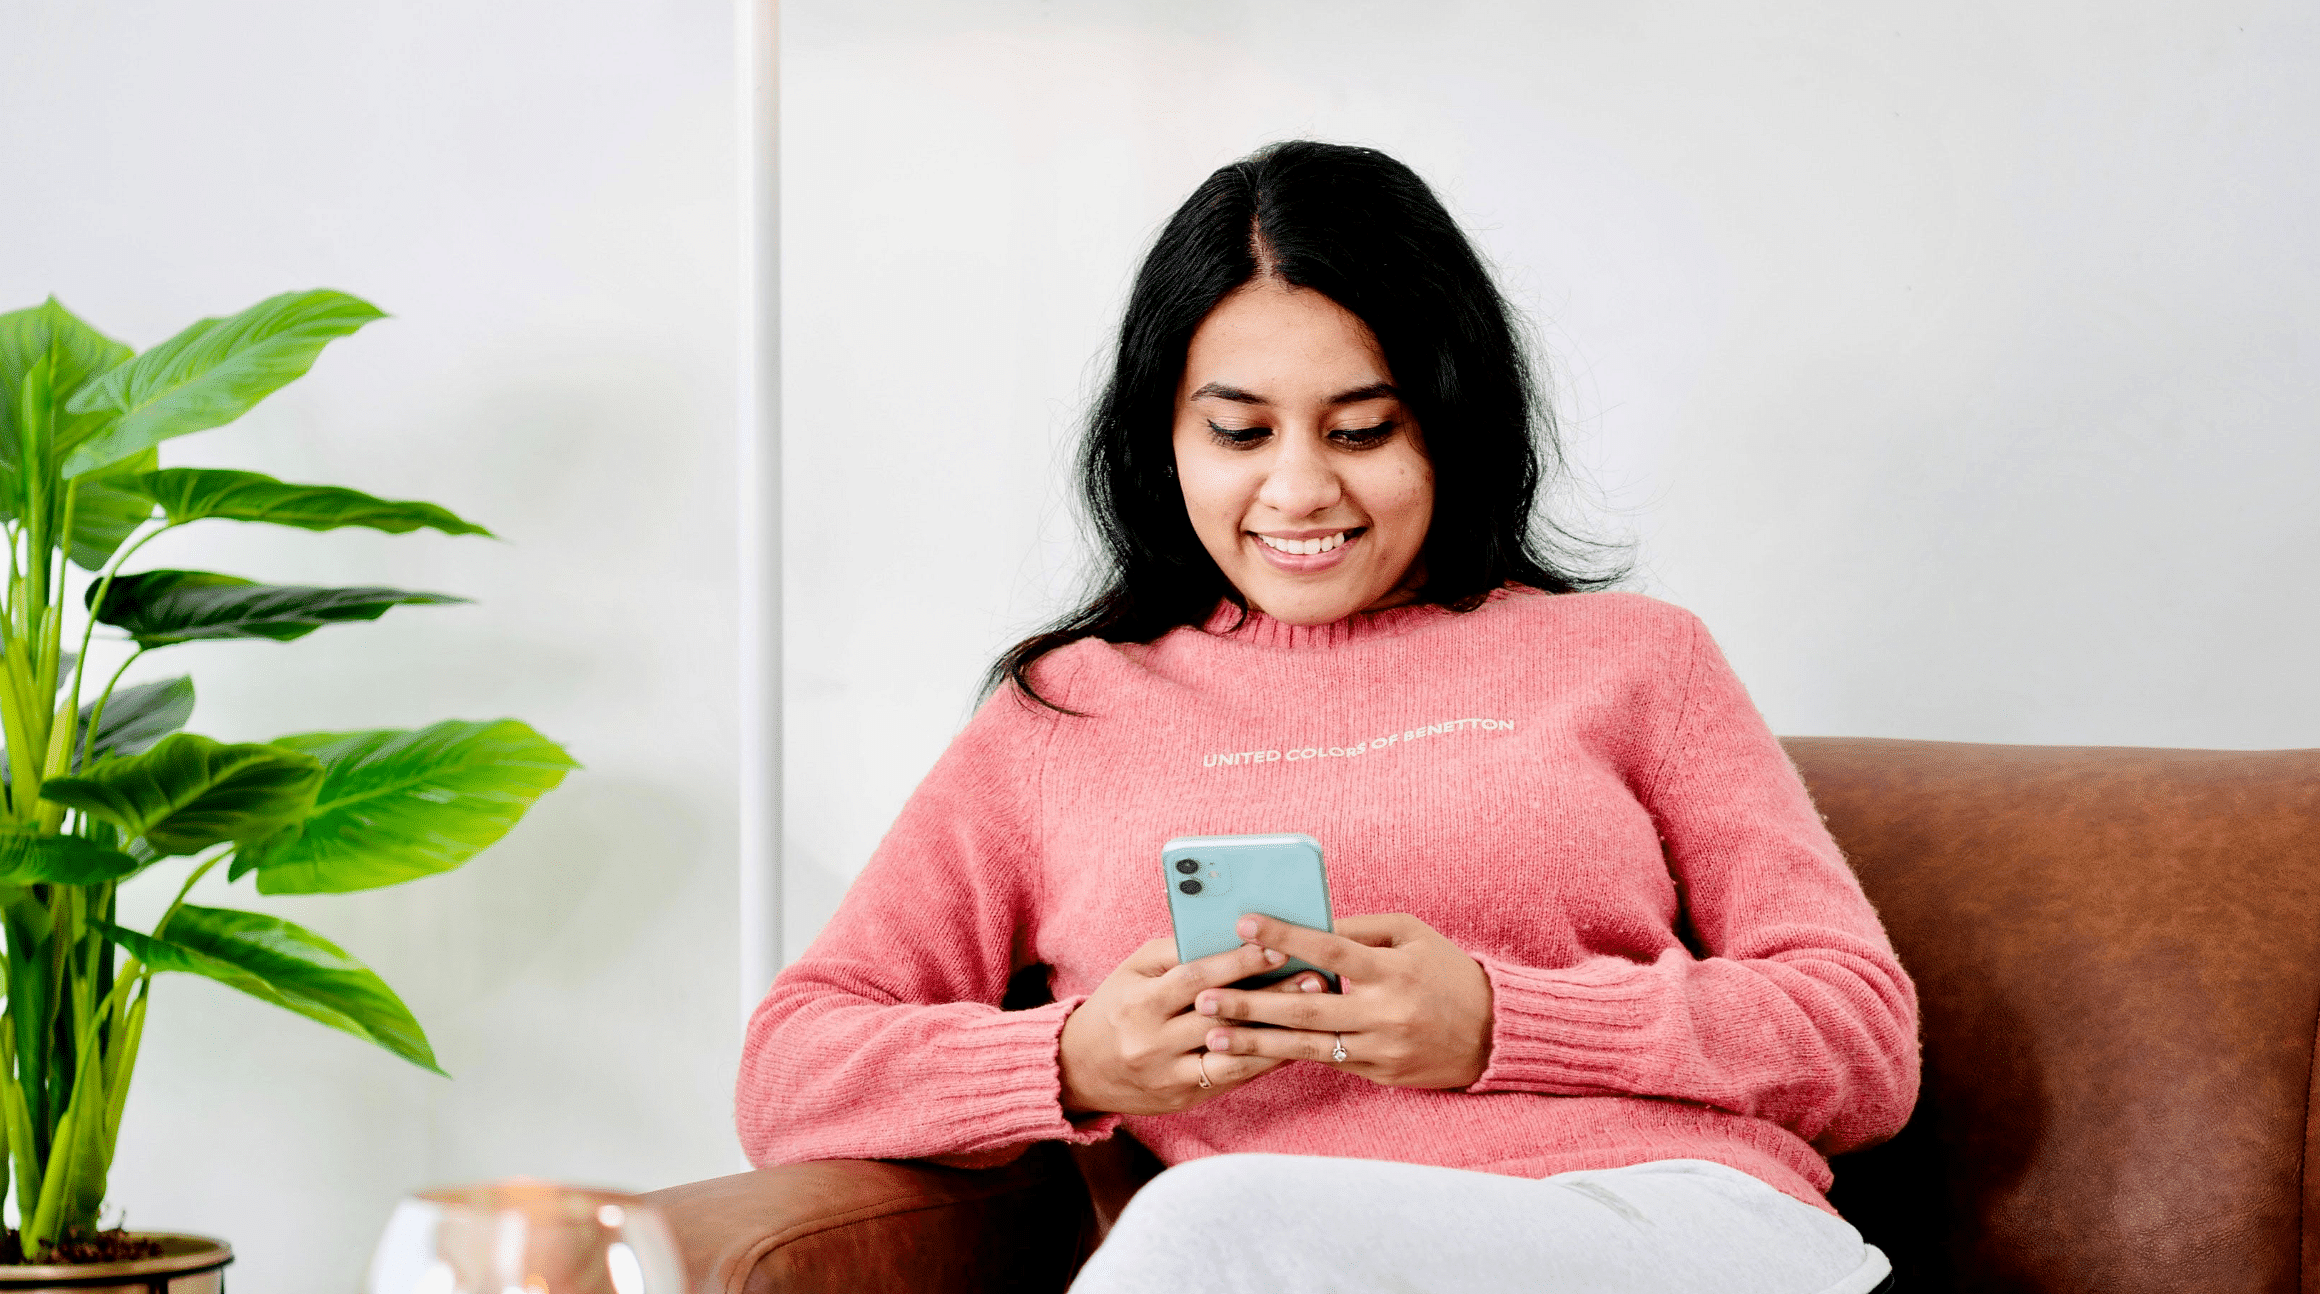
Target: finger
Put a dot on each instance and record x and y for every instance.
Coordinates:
(1301, 982)
(1155, 958)
(1383, 929)
(1329, 952)
(1227, 1071)
(1271, 1044)
(1328, 1011)
(1179, 986)
(1182, 1033)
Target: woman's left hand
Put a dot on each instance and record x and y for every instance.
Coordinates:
(1414, 1010)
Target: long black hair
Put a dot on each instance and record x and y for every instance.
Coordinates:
(1363, 230)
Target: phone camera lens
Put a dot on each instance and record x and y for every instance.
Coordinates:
(1188, 865)
(1189, 887)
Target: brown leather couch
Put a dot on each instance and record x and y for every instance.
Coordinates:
(2118, 954)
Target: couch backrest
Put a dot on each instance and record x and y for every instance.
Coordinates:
(2117, 953)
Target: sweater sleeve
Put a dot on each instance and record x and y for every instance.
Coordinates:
(1798, 1012)
(885, 1040)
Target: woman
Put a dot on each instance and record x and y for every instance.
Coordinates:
(1629, 996)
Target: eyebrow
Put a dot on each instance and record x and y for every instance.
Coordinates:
(1374, 391)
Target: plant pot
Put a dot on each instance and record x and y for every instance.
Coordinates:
(187, 1265)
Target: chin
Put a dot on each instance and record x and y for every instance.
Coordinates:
(1301, 607)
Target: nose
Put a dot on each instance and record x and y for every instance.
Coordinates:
(1301, 480)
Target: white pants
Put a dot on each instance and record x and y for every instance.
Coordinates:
(1296, 1224)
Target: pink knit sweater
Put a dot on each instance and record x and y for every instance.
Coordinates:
(1574, 788)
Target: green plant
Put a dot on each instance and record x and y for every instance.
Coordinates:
(93, 794)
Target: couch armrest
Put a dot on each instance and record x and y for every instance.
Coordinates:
(866, 1227)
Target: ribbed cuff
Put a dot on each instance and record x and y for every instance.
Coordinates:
(1010, 1086)
(1583, 1029)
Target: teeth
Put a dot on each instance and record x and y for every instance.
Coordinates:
(1303, 547)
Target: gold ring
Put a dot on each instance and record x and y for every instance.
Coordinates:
(1202, 1057)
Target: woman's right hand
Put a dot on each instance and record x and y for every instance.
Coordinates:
(1134, 1047)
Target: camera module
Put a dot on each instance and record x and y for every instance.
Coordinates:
(1189, 887)
(1188, 865)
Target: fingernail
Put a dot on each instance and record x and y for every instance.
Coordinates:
(1311, 985)
(1274, 957)
(1247, 927)
(1219, 1041)
(1208, 1006)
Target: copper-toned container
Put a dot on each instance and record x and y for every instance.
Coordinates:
(187, 1265)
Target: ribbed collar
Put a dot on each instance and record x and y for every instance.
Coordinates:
(1262, 630)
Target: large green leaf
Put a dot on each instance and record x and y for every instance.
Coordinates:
(195, 493)
(77, 354)
(137, 717)
(188, 793)
(211, 373)
(396, 805)
(107, 506)
(163, 607)
(288, 965)
(27, 857)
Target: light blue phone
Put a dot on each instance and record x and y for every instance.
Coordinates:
(1214, 880)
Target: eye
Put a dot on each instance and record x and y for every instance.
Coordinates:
(1364, 437)
(1237, 437)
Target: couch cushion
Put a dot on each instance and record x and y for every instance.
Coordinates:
(2118, 955)
(864, 1227)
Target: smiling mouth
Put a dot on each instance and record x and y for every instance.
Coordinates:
(1309, 547)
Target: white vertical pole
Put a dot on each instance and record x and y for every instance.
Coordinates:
(758, 456)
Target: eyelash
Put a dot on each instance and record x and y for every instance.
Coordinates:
(1355, 437)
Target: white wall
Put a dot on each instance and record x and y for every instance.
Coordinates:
(545, 197)
(1955, 362)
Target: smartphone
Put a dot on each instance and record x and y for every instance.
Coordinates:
(1215, 880)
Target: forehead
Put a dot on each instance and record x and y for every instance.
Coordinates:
(1284, 343)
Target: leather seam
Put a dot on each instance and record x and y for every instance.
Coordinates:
(2306, 1242)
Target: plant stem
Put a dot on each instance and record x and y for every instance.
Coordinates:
(8, 598)
(32, 466)
(15, 710)
(88, 631)
(121, 558)
(105, 581)
(68, 1157)
(161, 927)
(123, 1057)
(97, 716)
(72, 494)
(21, 1147)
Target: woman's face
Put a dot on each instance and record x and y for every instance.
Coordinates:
(1305, 476)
